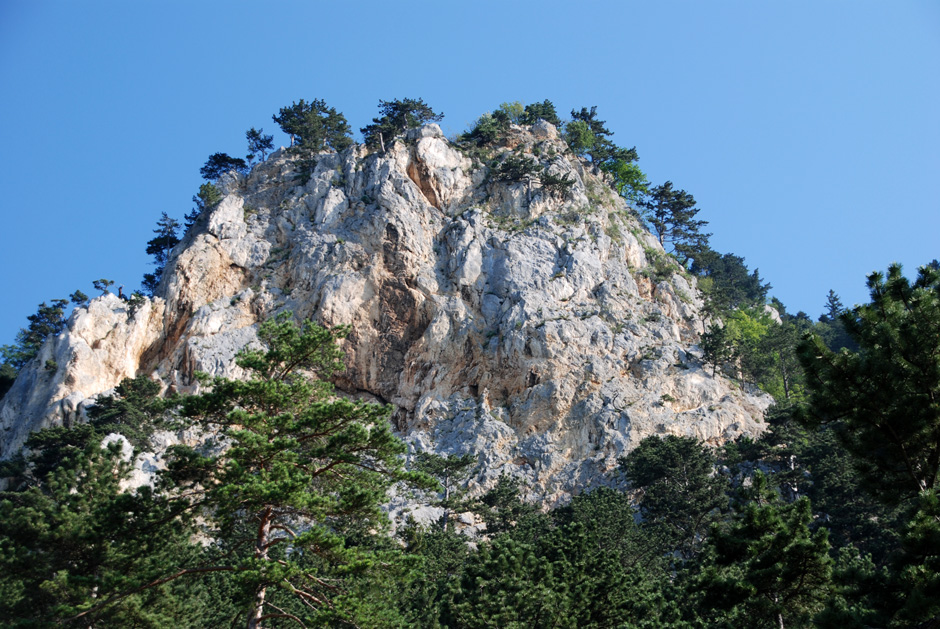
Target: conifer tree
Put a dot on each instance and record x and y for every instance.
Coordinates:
(397, 116)
(540, 111)
(600, 149)
(258, 143)
(303, 466)
(206, 199)
(160, 247)
(765, 568)
(220, 163)
(449, 471)
(681, 495)
(48, 320)
(671, 216)
(314, 127)
(882, 399)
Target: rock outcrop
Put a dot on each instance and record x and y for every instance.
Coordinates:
(539, 329)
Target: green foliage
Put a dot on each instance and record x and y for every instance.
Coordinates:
(103, 285)
(48, 321)
(540, 111)
(515, 168)
(766, 568)
(7, 377)
(594, 141)
(671, 216)
(313, 127)
(396, 117)
(729, 284)
(488, 128)
(503, 510)
(134, 410)
(160, 247)
(579, 137)
(881, 400)
(79, 298)
(220, 163)
(556, 185)
(568, 578)
(303, 467)
(680, 494)
(514, 111)
(72, 539)
(629, 181)
(449, 472)
(205, 200)
(258, 143)
(751, 346)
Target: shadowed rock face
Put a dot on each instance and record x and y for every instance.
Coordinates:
(500, 319)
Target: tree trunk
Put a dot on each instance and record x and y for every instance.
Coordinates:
(261, 552)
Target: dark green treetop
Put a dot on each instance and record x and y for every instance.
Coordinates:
(727, 282)
(882, 400)
(103, 285)
(681, 495)
(671, 214)
(302, 467)
(220, 163)
(207, 198)
(766, 567)
(540, 111)
(314, 127)
(78, 551)
(258, 143)
(160, 247)
(449, 471)
(598, 145)
(48, 320)
(396, 117)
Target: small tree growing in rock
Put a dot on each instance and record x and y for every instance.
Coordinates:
(220, 163)
(397, 116)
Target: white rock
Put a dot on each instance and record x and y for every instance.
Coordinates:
(502, 321)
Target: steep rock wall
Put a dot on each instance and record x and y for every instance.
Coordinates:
(525, 326)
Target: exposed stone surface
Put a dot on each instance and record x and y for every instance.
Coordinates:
(525, 327)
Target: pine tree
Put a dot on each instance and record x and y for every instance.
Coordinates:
(600, 149)
(766, 568)
(207, 198)
(449, 471)
(671, 216)
(302, 468)
(540, 111)
(48, 320)
(220, 163)
(258, 143)
(314, 127)
(681, 495)
(76, 550)
(397, 116)
(882, 399)
(160, 247)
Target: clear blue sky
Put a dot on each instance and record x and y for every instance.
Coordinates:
(808, 132)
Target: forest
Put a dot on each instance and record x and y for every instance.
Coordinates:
(830, 519)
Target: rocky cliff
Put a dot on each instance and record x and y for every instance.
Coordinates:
(539, 329)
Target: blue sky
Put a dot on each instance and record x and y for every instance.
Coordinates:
(807, 131)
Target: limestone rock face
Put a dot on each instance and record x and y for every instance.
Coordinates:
(102, 345)
(525, 325)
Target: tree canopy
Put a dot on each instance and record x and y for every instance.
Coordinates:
(396, 117)
(220, 163)
(670, 213)
(882, 400)
(314, 127)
